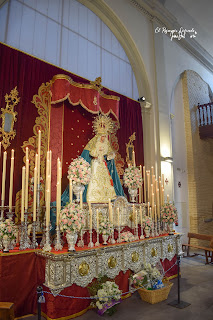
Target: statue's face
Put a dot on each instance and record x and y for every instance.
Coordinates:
(103, 138)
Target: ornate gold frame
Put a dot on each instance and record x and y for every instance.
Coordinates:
(11, 101)
(129, 150)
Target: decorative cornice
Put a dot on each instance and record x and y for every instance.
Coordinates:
(156, 12)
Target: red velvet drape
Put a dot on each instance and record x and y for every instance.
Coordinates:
(28, 73)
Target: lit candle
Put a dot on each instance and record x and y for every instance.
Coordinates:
(150, 212)
(70, 189)
(90, 216)
(47, 173)
(81, 199)
(136, 218)
(133, 157)
(163, 180)
(155, 214)
(141, 215)
(167, 198)
(152, 171)
(26, 184)
(144, 183)
(133, 213)
(34, 194)
(22, 193)
(11, 180)
(57, 203)
(153, 201)
(48, 208)
(97, 220)
(118, 214)
(3, 178)
(162, 196)
(39, 154)
(140, 188)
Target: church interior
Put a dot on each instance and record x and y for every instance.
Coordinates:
(106, 152)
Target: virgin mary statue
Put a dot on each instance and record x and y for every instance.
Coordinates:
(105, 183)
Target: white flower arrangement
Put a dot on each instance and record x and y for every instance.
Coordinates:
(105, 226)
(79, 171)
(7, 230)
(132, 178)
(72, 218)
(109, 291)
(127, 236)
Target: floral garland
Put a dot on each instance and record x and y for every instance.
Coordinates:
(7, 230)
(169, 213)
(105, 226)
(72, 218)
(132, 178)
(79, 171)
(127, 236)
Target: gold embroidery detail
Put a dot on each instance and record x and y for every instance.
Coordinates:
(83, 269)
(95, 101)
(135, 256)
(8, 116)
(42, 103)
(112, 262)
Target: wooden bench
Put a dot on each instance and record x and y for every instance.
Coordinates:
(6, 311)
(208, 249)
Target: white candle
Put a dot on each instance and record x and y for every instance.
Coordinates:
(34, 194)
(163, 180)
(133, 156)
(144, 183)
(148, 185)
(26, 184)
(148, 209)
(133, 213)
(152, 171)
(57, 203)
(136, 218)
(153, 201)
(39, 154)
(97, 219)
(162, 196)
(81, 199)
(118, 214)
(3, 178)
(155, 214)
(110, 211)
(22, 193)
(141, 215)
(167, 198)
(70, 189)
(47, 173)
(90, 216)
(11, 180)
(140, 188)
(48, 208)
(158, 202)
(50, 173)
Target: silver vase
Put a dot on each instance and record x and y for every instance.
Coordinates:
(105, 238)
(77, 188)
(133, 194)
(71, 240)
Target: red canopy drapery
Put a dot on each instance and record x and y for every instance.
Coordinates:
(89, 96)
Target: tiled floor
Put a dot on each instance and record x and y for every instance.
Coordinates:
(196, 286)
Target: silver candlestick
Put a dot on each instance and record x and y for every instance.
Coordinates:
(136, 232)
(112, 239)
(10, 214)
(97, 242)
(142, 236)
(25, 242)
(156, 229)
(58, 245)
(91, 244)
(2, 210)
(81, 241)
(34, 242)
(47, 247)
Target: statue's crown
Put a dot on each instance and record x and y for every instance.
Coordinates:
(103, 124)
